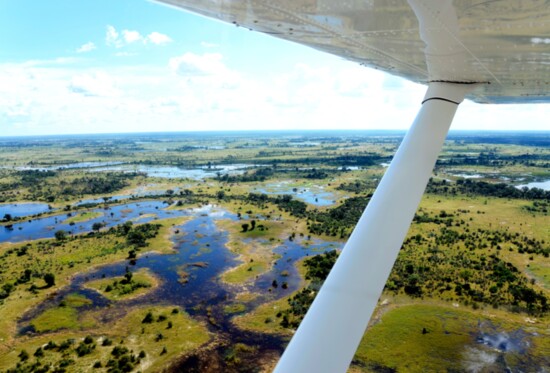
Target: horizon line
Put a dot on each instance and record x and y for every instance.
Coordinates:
(272, 130)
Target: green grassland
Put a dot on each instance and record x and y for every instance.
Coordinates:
(125, 287)
(264, 318)
(425, 337)
(256, 255)
(83, 216)
(23, 267)
(129, 341)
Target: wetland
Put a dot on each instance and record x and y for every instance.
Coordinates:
(164, 252)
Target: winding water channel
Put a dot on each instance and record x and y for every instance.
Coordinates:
(198, 240)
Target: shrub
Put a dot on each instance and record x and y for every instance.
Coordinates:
(148, 318)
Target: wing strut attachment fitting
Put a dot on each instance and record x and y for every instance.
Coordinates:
(334, 325)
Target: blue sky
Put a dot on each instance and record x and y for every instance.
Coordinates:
(99, 66)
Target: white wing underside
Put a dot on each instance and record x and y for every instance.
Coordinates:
(504, 44)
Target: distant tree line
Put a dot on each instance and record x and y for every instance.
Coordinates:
(483, 188)
(47, 186)
(495, 160)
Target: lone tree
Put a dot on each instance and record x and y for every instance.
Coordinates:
(23, 355)
(245, 227)
(252, 224)
(50, 279)
(60, 235)
(148, 319)
(128, 277)
(97, 226)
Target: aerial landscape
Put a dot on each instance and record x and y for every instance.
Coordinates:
(203, 251)
(181, 182)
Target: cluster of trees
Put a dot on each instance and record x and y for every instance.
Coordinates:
(136, 237)
(29, 178)
(358, 186)
(47, 186)
(315, 173)
(338, 221)
(249, 227)
(284, 202)
(264, 173)
(335, 222)
(100, 184)
(25, 277)
(290, 205)
(10, 190)
(126, 285)
(441, 218)
(121, 359)
(539, 206)
(259, 175)
(436, 265)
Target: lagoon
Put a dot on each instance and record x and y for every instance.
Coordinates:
(22, 209)
(544, 185)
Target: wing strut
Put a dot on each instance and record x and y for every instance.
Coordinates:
(334, 325)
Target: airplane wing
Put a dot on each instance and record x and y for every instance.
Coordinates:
(489, 51)
(505, 44)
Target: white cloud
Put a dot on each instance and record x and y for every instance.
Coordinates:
(112, 37)
(206, 94)
(191, 64)
(125, 37)
(158, 38)
(88, 47)
(206, 71)
(99, 84)
(17, 109)
(51, 62)
(117, 39)
(131, 36)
